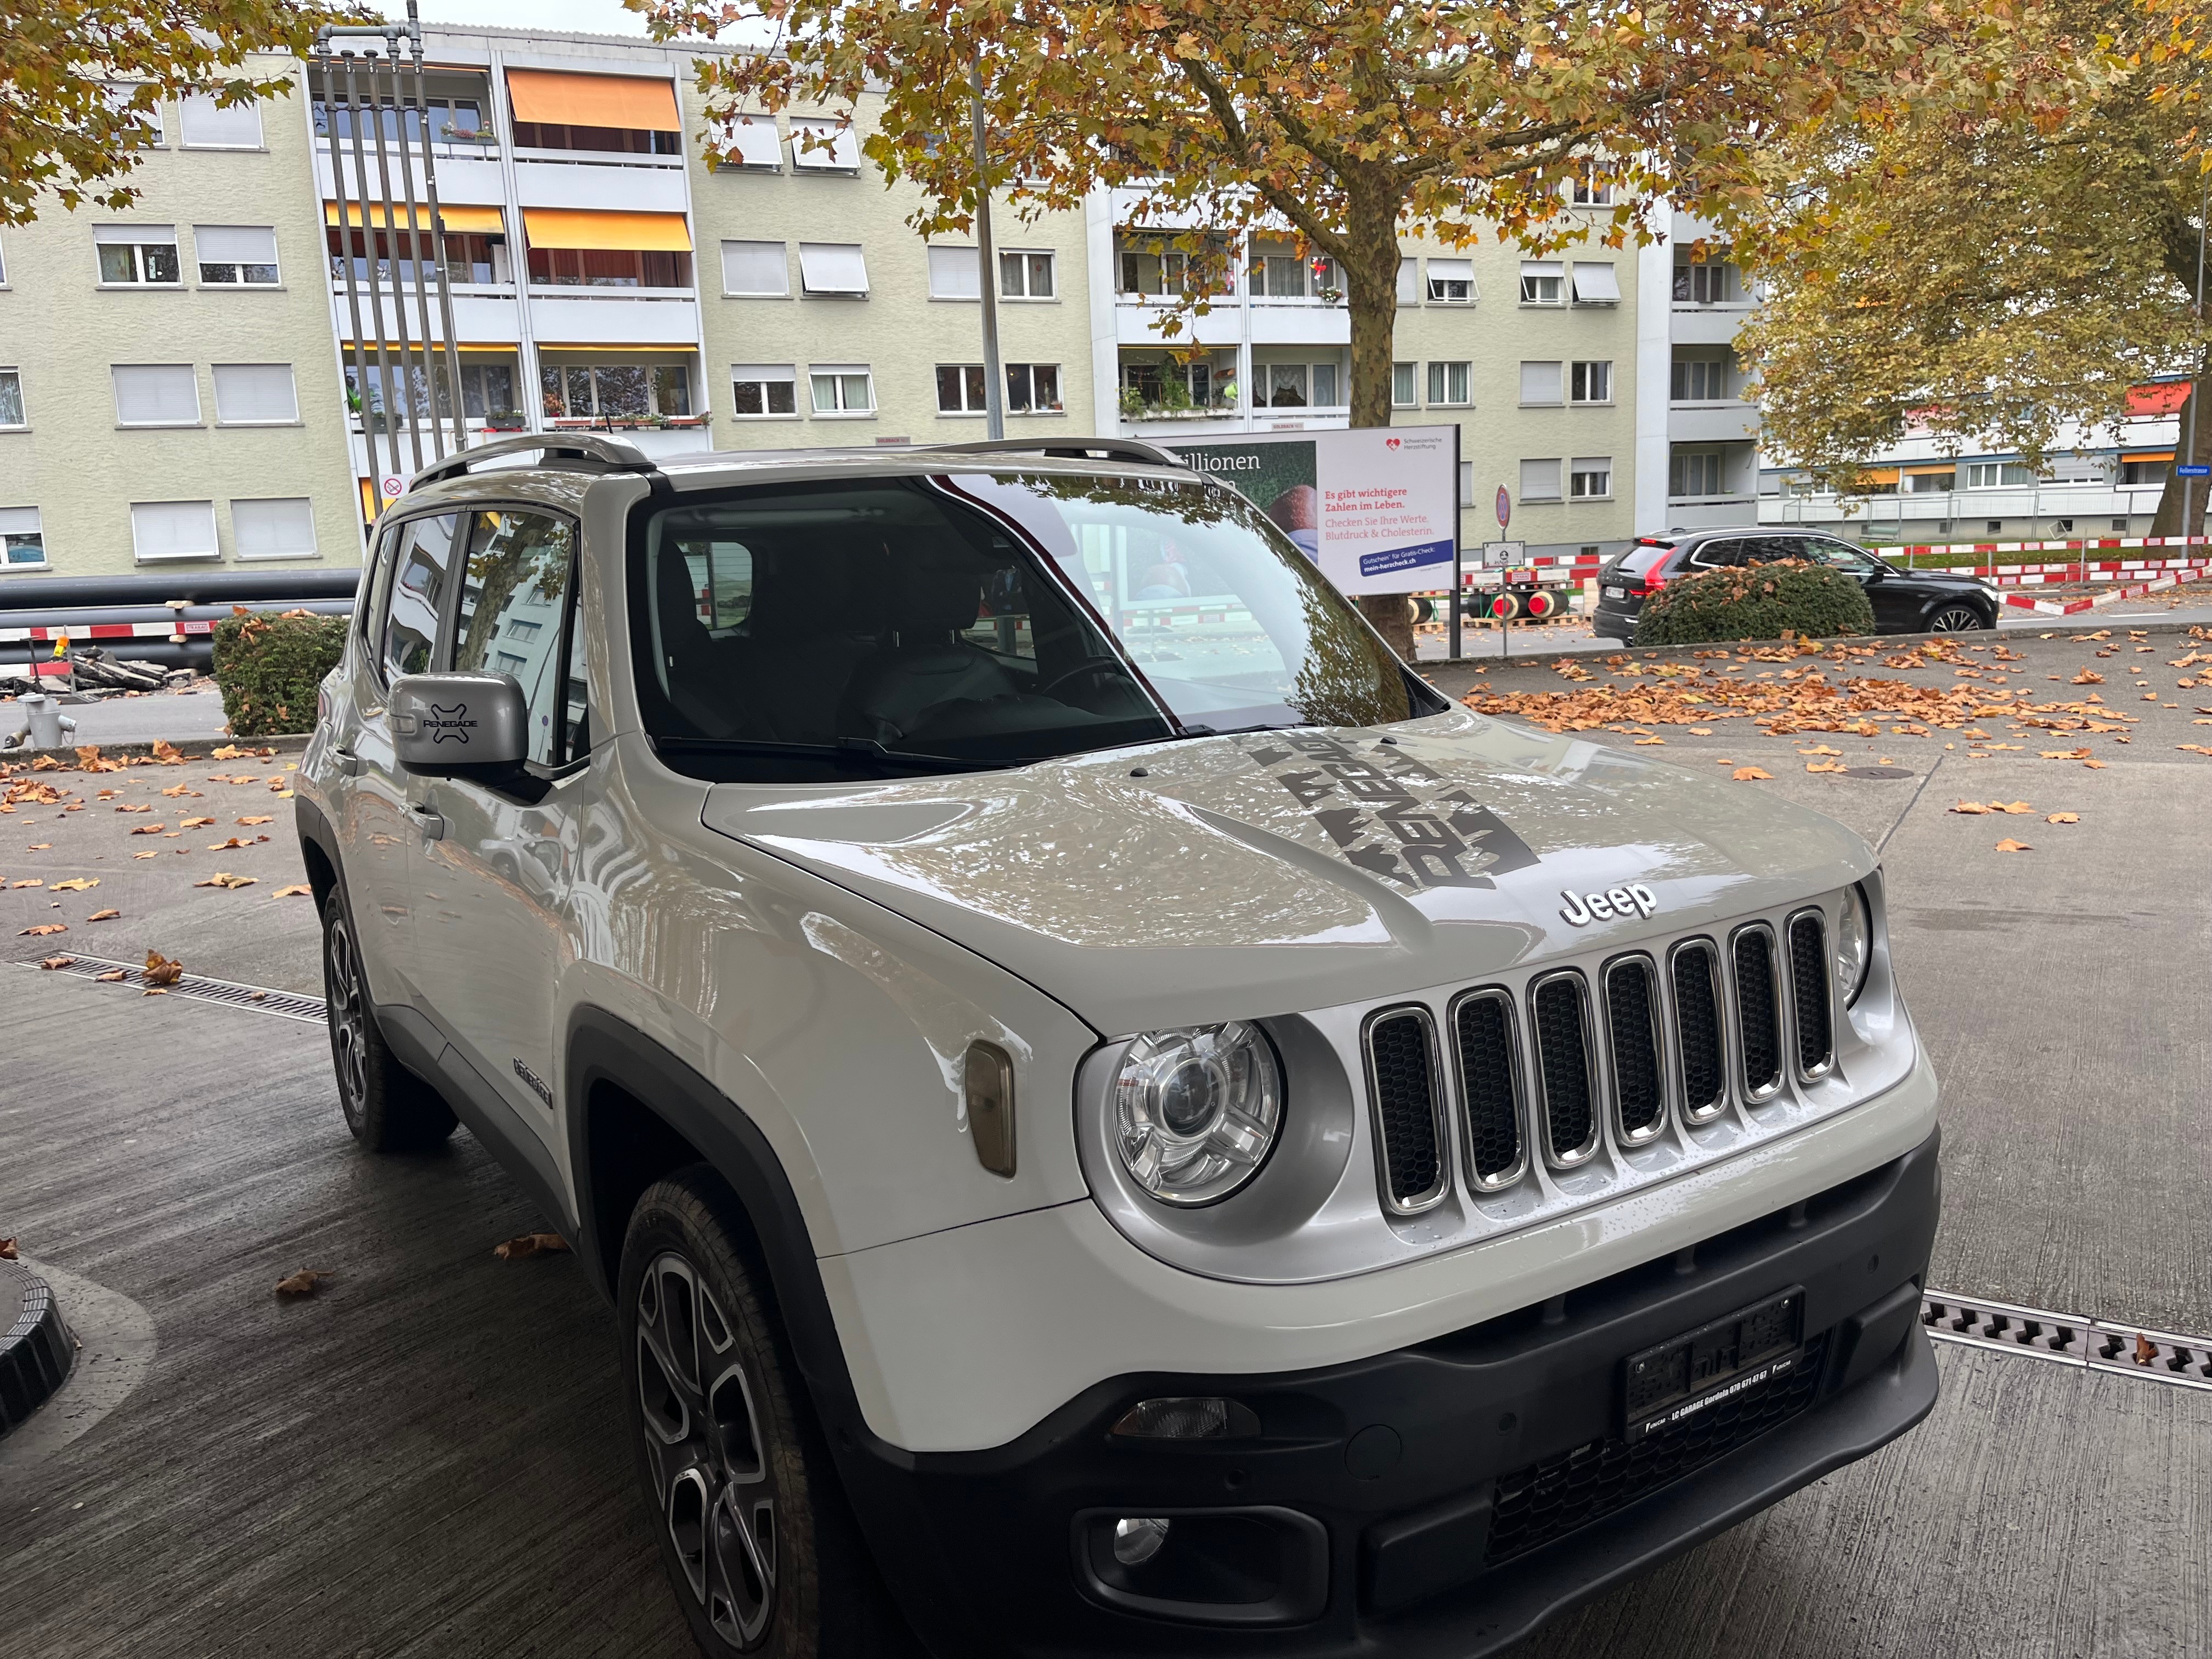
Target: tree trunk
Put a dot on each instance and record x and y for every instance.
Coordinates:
(1370, 288)
(2168, 520)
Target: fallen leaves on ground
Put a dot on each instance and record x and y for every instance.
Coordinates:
(182, 789)
(261, 819)
(225, 846)
(53, 963)
(151, 853)
(2010, 806)
(2089, 676)
(163, 970)
(43, 929)
(114, 976)
(166, 754)
(530, 1244)
(224, 878)
(301, 891)
(1969, 807)
(1750, 774)
(2010, 846)
(2063, 818)
(2094, 765)
(103, 915)
(74, 885)
(193, 823)
(2064, 754)
(29, 881)
(149, 828)
(142, 806)
(1826, 766)
(302, 1283)
(7, 1249)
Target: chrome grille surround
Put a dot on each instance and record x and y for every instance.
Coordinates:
(1477, 1091)
(1567, 1077)
(1403, 1147)
(1636, 1048)
(1756, 1006)
(1700, 1027)
(1813, 1008)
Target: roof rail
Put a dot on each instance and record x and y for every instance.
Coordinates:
(1079, 449)
(612, 452)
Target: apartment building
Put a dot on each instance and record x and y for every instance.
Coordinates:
(167, 387)
(599, 273)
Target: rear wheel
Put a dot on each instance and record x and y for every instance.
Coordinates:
(387, 1106)
(761, 1549)
(1956, 619)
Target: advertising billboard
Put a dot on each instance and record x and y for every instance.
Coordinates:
(1378, 509)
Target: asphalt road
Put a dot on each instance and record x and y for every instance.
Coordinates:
(424, 1459)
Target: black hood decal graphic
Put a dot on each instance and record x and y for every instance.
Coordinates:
(1385, 820)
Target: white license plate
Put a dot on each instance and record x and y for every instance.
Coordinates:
(1616, 592)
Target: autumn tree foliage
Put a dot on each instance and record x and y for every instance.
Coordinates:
(1991, 276)
(80, 81)
(1346, 125)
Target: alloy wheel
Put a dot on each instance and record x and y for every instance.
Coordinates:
(349, 1017)
(704, 1447)
(1956, 619)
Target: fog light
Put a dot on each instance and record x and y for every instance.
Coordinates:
(1137, 1539)
(1196, 1418)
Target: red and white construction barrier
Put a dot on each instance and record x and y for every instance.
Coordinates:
(91, 633)
(2075, 607)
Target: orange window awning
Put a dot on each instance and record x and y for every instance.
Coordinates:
(1933, 467)
(482, 220)
(2158, 398)
(1879, 475)
(657, 232)
(2155, 455)
(641, 103)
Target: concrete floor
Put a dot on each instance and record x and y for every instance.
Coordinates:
(419, 1460)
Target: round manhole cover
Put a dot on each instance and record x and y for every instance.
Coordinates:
(1876, 772)
(36, 1347)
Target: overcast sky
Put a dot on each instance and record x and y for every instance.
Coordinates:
(582, 17)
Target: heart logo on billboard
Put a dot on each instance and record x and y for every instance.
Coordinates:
(1390, 443)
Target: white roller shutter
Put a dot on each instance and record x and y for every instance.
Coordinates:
(274, 527)
(255, 394)
(173, 530)
(156, 394)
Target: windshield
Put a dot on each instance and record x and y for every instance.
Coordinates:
(796, 632)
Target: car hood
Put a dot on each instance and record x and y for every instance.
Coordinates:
(1233, 877)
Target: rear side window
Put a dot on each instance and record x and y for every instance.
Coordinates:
(422, 566)
(1641, 561)
(514, 611)
(379, 588)
(1708, 554)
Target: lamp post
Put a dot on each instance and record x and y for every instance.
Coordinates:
(994, 387)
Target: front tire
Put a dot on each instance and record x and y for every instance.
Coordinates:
(387, 1107)
(1956, 619)
(762, 1550)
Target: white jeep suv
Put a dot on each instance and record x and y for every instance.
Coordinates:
(1114, 1119)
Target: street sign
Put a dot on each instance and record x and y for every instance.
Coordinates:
(1501, 555)
(1505, 507)
(2193, 472)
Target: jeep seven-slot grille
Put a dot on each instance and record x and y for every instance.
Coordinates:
(1563, 1057)
(1759, 1036)
(1808, 985)
(1632, 1018)
(1488, 1077)
(1698, 1028)
(1406, 1107)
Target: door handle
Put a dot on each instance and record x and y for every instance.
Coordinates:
(430, 821)
(348, 763)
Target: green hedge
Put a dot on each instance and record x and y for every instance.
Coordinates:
(1755, 602)
(269, 667)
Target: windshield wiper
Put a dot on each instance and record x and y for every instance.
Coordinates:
(1238, 731)
(839, 750)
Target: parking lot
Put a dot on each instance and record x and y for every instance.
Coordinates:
(424, 1457)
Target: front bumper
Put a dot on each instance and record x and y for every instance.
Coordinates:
(1442, 1499)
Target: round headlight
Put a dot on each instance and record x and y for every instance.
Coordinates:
(1196, 1111)
(1854, 945)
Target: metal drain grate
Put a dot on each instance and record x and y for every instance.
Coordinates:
(286, 1005)
(2097, 1345)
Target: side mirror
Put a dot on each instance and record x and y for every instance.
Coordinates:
(474, 727)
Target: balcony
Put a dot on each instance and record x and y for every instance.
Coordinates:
(472, 177)
(604, 182)
(644, 317)
(1707, 325)
(1719, 422)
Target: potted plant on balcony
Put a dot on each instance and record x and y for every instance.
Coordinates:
(506, 420)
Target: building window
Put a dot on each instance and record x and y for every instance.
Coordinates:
(1700, 379)
(1405, 387)
(620, 392)
(255, 394)
(838, 269)
(138, 256)
(1539, 480)
(1694, 472)
(173, 530)
(749, 141)
(824, 146)
(122, 94)
(1712, 284)
(1540, 383)
(1279, 277)
(1449, 384)
(1933, 483)
(156, 394)
(954, 273)
(488, 389)
(962, 389)
(22, 540)
(1025, 276)
(757, 269)
(1158, 269)
(274, 527)
(11, 398)
(1033, 388)
(1993, 526)
(841, 389)
(2138, 472)
(1589, 193)
(1284, 384)
(207, 125)
(1596, 284)
(1590, 478)
(1409, 281)
(599, 267)
(764, 390)
(1591, 383)
(1451, 281)
(1998, 474)
(236, 255)
(1541, 280)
